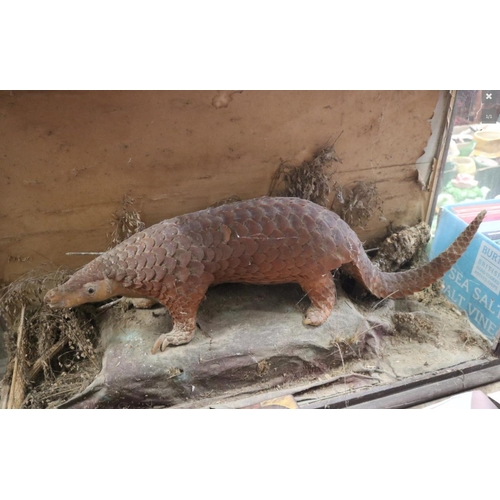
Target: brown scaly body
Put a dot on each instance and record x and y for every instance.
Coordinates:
(260, 241)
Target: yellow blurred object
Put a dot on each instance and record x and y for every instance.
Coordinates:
(283, 402)
(465, 165)
(487, 143)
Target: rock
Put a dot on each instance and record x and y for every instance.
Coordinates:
(251, 339)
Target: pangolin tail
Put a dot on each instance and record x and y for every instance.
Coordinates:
(397, 285)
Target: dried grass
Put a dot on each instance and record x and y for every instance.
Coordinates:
(65, 386)
(29, 291)
(126, 222)
(309, 181)
(404, 248)
(356, 203)
(54, 341)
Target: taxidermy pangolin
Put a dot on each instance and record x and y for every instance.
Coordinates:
(260, 241)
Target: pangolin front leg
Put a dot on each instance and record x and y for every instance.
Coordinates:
(183, 312)
(322, 293)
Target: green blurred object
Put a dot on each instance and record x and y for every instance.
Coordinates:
(466, 148)
(462, 194)
(483, 162)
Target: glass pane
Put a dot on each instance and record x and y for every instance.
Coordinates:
(471, 171)
(470, 183)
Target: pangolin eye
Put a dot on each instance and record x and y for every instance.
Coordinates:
(90, 290)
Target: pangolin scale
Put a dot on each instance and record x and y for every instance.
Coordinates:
(260, 241)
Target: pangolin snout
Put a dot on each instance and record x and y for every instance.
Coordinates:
(51, 298)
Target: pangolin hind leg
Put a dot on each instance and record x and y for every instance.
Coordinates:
(321, 292)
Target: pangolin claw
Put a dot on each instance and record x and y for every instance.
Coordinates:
(162, 342)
